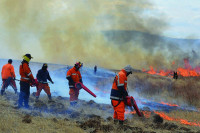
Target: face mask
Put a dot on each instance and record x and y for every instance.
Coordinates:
(128, 73)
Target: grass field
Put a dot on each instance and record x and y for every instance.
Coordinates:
(90, 117)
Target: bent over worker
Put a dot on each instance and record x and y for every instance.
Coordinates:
(8, 77)
(119, 93)
(25, 82)
(74, 76)
(42, 77)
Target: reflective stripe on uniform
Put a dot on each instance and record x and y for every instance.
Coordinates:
(29, 74)
(68, 75)
(118, 84)
(115, 98)
(71, 86)
(25, 78)
(74, 74)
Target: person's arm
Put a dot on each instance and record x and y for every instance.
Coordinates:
(27, 70)
(69, 78)
(80, 77)
(121, 86)
(12, 71)
(2, 72)
(49, 78)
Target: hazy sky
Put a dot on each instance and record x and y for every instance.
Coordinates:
(66, 31)
(183, 17)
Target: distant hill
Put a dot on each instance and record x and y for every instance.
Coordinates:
(147, 40)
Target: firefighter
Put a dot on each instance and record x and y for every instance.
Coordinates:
(73, 76)
(8, 77)
(42, 77)
(26, 81)
(119, 93)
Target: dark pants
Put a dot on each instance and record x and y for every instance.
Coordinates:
(24, 94)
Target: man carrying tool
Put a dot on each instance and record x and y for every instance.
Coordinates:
(119, 93)
(26, 81)
(42, 77)
(8, 77)
(74, 76)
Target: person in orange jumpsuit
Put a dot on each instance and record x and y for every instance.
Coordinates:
(8, 77)
(119, 93)
(25, 82)
(74, 76)
(42, 77)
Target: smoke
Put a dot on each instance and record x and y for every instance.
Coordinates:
(60, 31)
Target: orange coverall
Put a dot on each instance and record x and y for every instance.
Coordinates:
(120, 82)
(76, 77)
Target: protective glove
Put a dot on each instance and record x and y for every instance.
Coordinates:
(33, 82)
(52, 82)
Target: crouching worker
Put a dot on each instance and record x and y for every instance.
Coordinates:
(74, 76)
(8, 77)
(26, 80)
(119, 93)
(42, 77)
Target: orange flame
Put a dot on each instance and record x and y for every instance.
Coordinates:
(185, 72)
(173, 105)
(182, 121)
(147, 114)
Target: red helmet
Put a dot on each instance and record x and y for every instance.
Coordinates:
(78, 64)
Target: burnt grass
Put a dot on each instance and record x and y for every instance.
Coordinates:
(91, 117)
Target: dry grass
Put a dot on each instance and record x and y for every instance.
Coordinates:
(182, 90)
(11, 122)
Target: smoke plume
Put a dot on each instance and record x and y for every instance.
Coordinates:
(60, 31)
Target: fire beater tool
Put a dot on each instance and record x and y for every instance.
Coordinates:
(131, 102)
(79, 86)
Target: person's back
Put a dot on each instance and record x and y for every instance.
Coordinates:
(42, 75)
(8, 77)
(7, 71)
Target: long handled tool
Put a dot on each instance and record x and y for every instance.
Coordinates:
(79, 86)
(131, 102)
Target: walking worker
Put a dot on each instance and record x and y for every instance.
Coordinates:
(26, 81)
(8, 77)
(95, 69)
(74, 76)
(119, 93)
(42, 77)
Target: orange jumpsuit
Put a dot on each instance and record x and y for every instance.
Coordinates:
(118, 92)
(75, 77)
(7, 75)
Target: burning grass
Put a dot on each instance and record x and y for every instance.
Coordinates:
(86, 117)
(183, 91)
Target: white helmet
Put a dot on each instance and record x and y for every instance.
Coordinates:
(128, 69)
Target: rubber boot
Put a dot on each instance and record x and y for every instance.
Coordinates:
(2, 91)
(49, 96)
(116, 121)
(73, 103)
(121, 122)
(37, 99)
(16, 91)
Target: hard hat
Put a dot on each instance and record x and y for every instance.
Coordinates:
(44, 66)
(128, 69)
(27, 57)
(78, 64)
